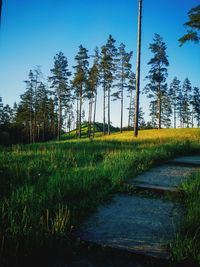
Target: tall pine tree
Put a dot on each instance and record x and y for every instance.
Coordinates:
(174, 91)
(60, 83)
(130, 92)
(93, 82)
(108, 70)
(196, 104)
(80, 81)
(123, 71)
(157, 87)
(186, 111)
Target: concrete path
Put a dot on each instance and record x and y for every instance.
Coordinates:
(139, 224)
(166, 177)
(133, 223)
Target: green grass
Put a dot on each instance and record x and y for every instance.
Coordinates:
(48, 189)
(98, 131)
(187, 244)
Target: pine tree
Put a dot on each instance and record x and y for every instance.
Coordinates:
(53, 117)
(14, 113)
(93, 81)
(194, 25)
(25, 113)
(69, 114)
(112, 55)
(186, 112)
(166, 109)
(1, 110)
(196, 104)
(141, 121)
(137, 97)
(104, 75)
(60, 83)
(130, 92)
(153, 107)
(80, 81)
(123, 71)
(42, 112)
(174, 90)
(97, 64)
(157, 86)
(7, 115)
(180, 108)
(108, 68)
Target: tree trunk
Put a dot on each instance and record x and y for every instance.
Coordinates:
(69, 123)
(104, 109)
(1, 3)
(77, 117)
(44, 127)
(193, 118)
(31, 122)
(174, 117)
(90, 116)
(80, 110)
(180, 115)
(137, 99)
(129, 119)
(159, 109)
(38, 132)
(30, 128)
(108, 111)
(59, 118)
(130, 106)
(122, 100)
(89, 110)
(92, 101)
(94, 118)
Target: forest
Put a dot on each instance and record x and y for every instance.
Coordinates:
(66, 99)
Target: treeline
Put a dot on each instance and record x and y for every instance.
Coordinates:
(174, 103)
(49, 106)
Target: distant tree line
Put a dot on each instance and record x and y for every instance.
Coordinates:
(49, 107)
(175, 103)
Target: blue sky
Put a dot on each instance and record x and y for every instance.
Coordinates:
(33, 31)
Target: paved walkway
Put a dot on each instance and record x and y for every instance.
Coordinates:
(138, 224)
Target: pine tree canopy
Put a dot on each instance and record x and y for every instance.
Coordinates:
(194, 26)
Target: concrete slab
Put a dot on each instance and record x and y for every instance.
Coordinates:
(166, 175)
(189, 160)
(136, 224)
(155, 189)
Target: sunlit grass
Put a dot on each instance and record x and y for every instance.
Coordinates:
(155, 135)
(186, 247)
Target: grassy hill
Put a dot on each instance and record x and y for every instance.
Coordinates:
(48, 188)
(98, 130)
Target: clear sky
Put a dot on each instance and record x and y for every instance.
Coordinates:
(33, 31)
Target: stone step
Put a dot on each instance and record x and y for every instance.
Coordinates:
(189, 160)
(167, 176)
(155, 189)
(136, 224)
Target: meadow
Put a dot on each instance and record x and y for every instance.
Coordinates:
(47, 189)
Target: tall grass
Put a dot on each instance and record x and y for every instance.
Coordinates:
(47, 189)
(186, 247)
